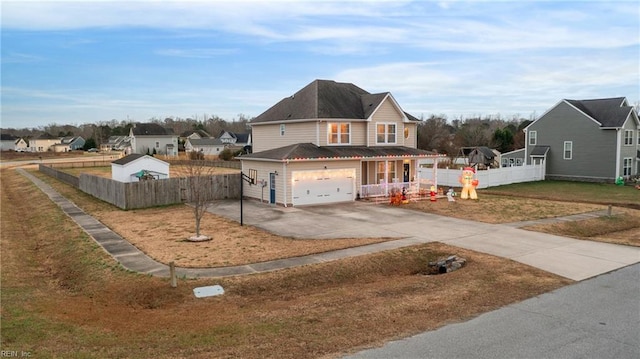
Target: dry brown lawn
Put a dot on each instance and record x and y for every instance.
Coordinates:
(502, 209)
(63, 296)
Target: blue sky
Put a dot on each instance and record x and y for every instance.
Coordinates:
(80, 62)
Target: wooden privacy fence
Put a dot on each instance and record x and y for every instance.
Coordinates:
(59, 175)
(487, 178)
(162, 192)
(154, 193)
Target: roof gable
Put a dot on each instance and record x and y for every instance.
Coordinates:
(608, 112)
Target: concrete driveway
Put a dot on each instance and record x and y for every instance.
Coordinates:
(570, 258)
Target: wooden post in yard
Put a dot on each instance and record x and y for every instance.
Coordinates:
(172, 274)
(609, 211)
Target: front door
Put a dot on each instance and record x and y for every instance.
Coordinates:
(272, 188)
(405, 172)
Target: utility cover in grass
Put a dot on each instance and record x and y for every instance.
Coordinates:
(210, 291)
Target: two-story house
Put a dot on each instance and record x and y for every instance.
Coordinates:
(586, 140)
(235, 139)
(151, 138)
(327, 143)
(43, 143)
(70, 143)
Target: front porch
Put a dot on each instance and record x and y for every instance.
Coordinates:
(384, 178)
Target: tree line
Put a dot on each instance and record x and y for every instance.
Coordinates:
(435, 133)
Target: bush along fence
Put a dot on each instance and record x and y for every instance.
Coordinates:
(146, 194)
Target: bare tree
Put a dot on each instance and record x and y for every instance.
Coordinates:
(199, 192)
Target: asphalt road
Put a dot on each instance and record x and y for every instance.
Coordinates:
(596, 318)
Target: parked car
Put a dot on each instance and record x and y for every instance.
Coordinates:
(93, 150)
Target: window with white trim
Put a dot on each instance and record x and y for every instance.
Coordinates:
(533, 138)
(628, 137)
(568, 150)
(282, 129)
(339, 133)
(385, 168)
(627, 165)
(386, 133)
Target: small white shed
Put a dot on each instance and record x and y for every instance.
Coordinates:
(135, 166)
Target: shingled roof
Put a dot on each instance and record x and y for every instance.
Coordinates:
(608, 112)
(306, 151)
(206, 142)
(325, 99)
(150, 129)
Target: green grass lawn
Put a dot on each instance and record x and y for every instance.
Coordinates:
(603, 193)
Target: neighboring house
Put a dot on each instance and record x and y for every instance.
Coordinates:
(7, 142)
(134, 167)
(147, 137)
(194, 134)
(513, 158)
(236, 139)
(21, 145)
(481, 157)
(116, 143)
(69, 144)
(207, 146)
(43, 143)
(331, 142)
(586, 140)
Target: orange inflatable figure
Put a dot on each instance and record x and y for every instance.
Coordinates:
(468, 183)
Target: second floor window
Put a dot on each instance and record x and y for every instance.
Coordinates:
(533, 138)
(628, 137)
(568, 150)
(386, 133)
(339, 133)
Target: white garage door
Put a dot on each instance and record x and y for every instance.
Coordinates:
(323, 186)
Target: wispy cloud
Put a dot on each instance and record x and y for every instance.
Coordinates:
(197, 53)
(15, 57)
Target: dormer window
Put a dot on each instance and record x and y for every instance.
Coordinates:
(339, 133)
(386, 133)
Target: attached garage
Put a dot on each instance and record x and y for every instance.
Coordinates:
(323, 186)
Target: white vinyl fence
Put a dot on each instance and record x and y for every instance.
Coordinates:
(487, 178)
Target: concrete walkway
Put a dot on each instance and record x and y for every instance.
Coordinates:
(570, 258)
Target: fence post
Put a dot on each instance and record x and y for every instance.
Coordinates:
(172, 274)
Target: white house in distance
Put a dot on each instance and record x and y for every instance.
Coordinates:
(207, 146)
(135, 166)
(150, 137)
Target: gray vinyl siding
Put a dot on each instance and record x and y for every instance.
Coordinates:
(630, 151)
(513, 158)
(594, 149)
